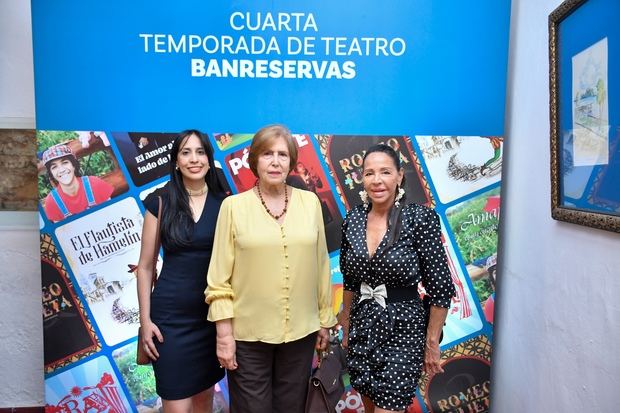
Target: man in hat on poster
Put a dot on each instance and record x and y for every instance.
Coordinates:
(71, 192)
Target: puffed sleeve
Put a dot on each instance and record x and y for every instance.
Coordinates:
(436, 276)
(219, 294)
(345, 260)
(326, 312)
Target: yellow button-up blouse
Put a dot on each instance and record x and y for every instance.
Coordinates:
(272, 280)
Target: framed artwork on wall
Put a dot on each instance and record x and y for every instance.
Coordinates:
(584, 87)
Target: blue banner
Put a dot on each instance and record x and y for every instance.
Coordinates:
(397, 67)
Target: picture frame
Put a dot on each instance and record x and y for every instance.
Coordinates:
(584, 113)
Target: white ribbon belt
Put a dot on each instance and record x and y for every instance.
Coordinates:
(379, 293)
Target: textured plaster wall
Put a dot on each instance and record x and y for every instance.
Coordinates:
(18, 187)
(558, 310)
(21, 336)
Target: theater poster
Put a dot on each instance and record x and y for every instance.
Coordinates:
(115, 81)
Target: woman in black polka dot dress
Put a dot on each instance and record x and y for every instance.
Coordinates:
(387, 249)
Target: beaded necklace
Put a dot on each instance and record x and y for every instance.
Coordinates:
(260, 196)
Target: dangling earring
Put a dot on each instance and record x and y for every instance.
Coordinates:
(399, 196)
(176, 167)
(364, 196)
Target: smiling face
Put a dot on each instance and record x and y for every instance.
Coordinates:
(274, 162)
(62, 170)
(381, 178)
(192, 159)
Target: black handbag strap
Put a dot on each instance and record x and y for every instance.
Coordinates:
(157, 244)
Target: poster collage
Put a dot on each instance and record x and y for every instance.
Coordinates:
(90, 307)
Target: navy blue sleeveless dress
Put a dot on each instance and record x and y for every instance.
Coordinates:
(187, 361)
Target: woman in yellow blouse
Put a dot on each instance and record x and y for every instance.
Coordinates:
(269, 288)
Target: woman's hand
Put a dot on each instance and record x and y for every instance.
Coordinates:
(225, 346)
(322, 339)
(432, 358)
(432, 354)
(148, 330)
(225, 350)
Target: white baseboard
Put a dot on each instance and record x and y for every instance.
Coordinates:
(17, 122)
(19, 220)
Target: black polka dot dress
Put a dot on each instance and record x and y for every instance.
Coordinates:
(386, 345)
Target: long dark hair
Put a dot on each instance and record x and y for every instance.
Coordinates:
(177, 222)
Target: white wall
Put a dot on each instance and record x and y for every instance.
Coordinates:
(16, 72)
(21, 336)
(557, 316)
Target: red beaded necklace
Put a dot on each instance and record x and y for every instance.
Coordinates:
(260, 195)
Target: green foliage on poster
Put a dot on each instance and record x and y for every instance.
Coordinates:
(139, 379)
(96, 163)
(475, 228)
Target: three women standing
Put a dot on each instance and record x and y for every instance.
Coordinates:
(269, 286)
(176, 334)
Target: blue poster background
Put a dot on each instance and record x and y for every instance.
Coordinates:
(434, 87)
(91, 69)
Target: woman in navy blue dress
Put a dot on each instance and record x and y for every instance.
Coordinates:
(176, 334)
